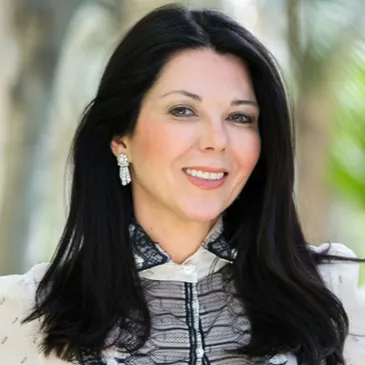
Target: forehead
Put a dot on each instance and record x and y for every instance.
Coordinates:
(205, 72)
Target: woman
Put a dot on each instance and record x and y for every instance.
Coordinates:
(182, 244)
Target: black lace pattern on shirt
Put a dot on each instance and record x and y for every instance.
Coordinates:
(223, 323)
(149, 254)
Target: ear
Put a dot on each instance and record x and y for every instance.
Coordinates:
(119, 145)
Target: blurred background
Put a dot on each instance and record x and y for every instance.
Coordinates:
(52, 56)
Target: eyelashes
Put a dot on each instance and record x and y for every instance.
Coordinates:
(241, 118)
(182, 111)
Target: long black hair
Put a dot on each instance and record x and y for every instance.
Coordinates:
(92, 288)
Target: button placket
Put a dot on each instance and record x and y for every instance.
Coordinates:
(196, 319)
(278, 359)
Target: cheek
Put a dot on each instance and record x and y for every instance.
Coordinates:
(147, 144)
(248, 151)
(157, 142)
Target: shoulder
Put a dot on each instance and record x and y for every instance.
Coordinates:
(342, 278)
(338, 272)
(338, 275)
(335, 248)
(22, 287)
(17, 293)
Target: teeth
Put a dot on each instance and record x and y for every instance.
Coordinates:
(205, 175)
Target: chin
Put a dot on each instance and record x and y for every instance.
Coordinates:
(202, 213)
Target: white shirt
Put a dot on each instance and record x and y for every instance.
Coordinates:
(18, 343)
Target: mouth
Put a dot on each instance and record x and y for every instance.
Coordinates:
(206, 174)
(206, 178)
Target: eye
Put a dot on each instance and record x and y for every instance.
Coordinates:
(181, 111)
(241, 118)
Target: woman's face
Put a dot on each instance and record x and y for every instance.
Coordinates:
(196, 140)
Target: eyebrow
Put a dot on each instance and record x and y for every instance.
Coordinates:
(199, 98)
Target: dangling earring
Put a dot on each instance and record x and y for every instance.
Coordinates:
(124, 173)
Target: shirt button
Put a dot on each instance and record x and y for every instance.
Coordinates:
(279, 359)
(200, 352)
(189, 269)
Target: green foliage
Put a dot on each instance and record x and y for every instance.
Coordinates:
(347, 159)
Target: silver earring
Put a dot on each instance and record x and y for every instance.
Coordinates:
(124, 173)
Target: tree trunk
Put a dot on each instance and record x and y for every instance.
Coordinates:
(25, 95)
(28, 99)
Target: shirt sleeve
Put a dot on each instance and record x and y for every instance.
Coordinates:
(18, 341)
(342, 279)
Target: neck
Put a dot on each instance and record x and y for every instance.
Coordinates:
(179, 238)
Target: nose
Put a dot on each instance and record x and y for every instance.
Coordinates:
(213, 136)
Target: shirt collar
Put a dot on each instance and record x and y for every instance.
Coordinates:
(149, 254)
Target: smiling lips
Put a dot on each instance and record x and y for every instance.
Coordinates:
(207, 178)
